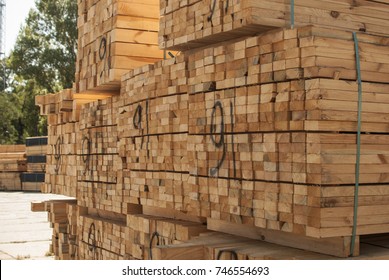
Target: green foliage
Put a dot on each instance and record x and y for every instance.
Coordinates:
(45, 49)
(10, 117)
(42, 61)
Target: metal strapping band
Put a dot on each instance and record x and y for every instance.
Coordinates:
(358, 152)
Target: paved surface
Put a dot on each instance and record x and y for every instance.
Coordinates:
(24, 234)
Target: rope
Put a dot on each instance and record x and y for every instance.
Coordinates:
(358, 155)
(220, 143)
(292, 14)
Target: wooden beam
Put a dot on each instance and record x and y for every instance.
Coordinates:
(337, 246)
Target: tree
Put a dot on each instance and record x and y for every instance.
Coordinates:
(42, 61)
(45, 50)
(9, 116)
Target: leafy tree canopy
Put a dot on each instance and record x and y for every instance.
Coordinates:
(42, 61)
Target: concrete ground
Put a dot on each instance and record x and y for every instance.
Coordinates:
(24, 234)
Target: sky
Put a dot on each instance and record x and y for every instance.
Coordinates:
(16, 12)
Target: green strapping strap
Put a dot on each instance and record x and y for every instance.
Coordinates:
(358, 156)
(292, 14)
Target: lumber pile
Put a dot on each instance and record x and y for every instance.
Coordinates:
(190, 24)
(62, 112)
(220, 246)
(250, 131)
(153, 131)
(101, 239)
(114, 37)
(98, 163)
(62, 217)
(144, 233)
(12, 164)
(272, 116)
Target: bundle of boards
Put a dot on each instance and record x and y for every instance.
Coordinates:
(251, 130)
(194, 23)
(12, 164)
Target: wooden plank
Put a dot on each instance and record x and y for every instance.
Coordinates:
(332, 246)
(186, 252)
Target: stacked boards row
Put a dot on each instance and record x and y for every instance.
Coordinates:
(114, 37)
(259, 132)
(191, 24)
(153, 134)
(98, 166)
(12, 164)
(89, 234)
(269, 118)
(62, 215)
(63, 111)
(275, 115)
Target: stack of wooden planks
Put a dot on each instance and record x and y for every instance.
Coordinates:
(272, 116)
(62, 217)
(144, 233)
(98, 162)
(12, 164)
(81, 233)
(220, 246)
(101, 239)
(63, 115)
(189, 24)
(63, 111)
(251, 136)
(114, 37)
(153, 131)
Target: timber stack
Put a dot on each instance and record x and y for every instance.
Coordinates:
(113, 37)
(262, 128)
(12, 163)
